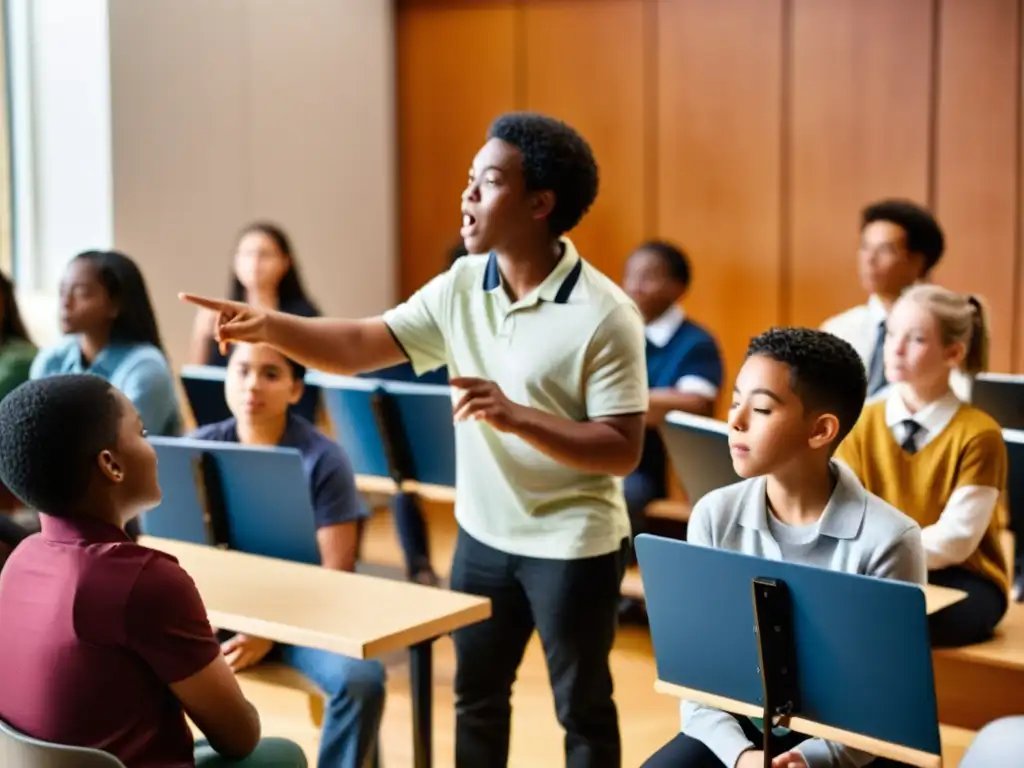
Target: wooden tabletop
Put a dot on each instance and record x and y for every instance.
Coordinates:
(936, 598)
(873, 746)
(386, 487)
(347, 613)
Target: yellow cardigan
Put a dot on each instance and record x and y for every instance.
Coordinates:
(969, 451)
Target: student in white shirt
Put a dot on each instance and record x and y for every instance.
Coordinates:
(900, 245)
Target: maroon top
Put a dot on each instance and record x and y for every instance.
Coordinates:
(93, 628)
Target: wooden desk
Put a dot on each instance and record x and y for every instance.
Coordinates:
(387, 487)
(873, 746)
(347, 613)
(936, 598)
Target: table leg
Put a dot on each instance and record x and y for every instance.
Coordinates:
(422, 684)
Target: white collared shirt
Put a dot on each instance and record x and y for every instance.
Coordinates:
(659, 332)
(859, 327)
(962, 525)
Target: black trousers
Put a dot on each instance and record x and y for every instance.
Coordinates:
(573, 605)
(687, 752)
(974, 618)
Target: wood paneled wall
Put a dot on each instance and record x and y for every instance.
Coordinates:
(751, 132)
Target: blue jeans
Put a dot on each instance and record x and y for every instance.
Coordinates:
(355, 704)
(412, 532)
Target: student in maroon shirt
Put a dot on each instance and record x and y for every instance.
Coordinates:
(105, 643)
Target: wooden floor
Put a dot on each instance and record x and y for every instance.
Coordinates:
(647, 719)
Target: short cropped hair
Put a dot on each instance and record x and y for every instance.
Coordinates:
(51, 431)
(825, 372)
(555, 158)
(923, 233)
(673, 257)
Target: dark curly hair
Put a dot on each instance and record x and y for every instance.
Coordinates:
(825, 372)
(555, 158)
(922, 231)
(51, 431)
(672, 256)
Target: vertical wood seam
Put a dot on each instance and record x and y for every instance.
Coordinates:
(652, 129)
(785, 290)
(1016, 353)
(934, 98)
(519, 46)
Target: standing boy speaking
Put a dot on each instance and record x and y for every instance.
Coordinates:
(546, 358)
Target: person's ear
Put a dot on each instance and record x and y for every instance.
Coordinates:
(298, 387)
(542, 203)
(824, 431)
(110, 466)
(954, 354)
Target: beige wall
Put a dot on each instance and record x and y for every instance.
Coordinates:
(223, 111)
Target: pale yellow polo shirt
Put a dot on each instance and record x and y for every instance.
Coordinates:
(573, 347)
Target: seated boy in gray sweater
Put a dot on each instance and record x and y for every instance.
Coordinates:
(797, 395)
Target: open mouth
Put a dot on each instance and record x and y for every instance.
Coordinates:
(468, 223)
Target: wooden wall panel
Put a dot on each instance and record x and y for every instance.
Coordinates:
(861, 86)
(456, 73)
(976, 157)
(572, 74)
(718, 166)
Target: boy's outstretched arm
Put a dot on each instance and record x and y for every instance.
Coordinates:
(326, 344)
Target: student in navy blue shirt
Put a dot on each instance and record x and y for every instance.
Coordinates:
(684, 365)
(261, 384)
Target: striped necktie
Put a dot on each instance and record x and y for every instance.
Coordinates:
(910, 430)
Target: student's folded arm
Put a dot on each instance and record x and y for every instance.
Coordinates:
(819, 753)
(958, 532)
(411, 331)
(168, 628)
(717, 730)
(338, 508)
(967, 515)
(699, 379)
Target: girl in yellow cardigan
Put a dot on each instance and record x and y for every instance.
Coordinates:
(940, 461)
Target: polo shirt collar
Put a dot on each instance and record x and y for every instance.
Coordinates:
(661, 330)
(933, 418)
(85, 530)
(556, 287)
(876, 310)
(843, 516)
(103, 364)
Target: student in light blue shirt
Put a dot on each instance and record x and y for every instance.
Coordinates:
(260, 386)
(796, 397)
(111, 332)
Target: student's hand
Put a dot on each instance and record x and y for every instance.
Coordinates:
(243, 651)
(483, 400)
(235, 321)
(791, 759)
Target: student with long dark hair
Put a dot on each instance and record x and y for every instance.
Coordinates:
(16, 348)
(264, 273)
(111, 332)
